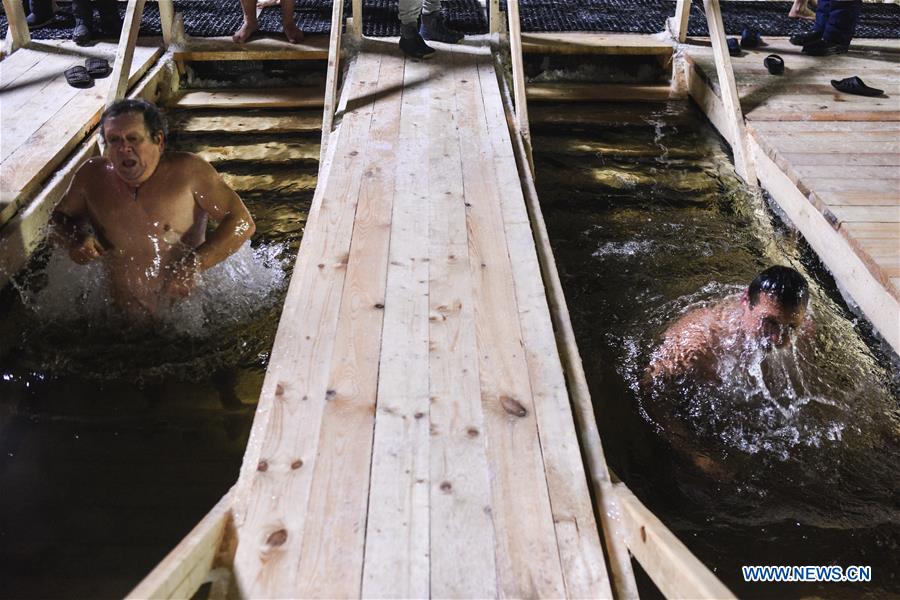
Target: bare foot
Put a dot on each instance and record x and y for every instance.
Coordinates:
(804, 13)
(245, 32)
(293, 34)
(267, 3)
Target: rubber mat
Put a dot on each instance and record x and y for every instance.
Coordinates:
(216, 18)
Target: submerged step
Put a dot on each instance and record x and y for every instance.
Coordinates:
(197, 123)
(263, 153)
(289, 182)
(288, 97)
(595, 43)
(596, 92)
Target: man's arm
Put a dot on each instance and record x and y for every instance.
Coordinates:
(235, 225)
(222, 204)
(71, 222)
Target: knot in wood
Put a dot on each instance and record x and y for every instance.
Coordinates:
(277, 538)
(446, 487)
(296, 464)
(263, 465)
(513, 406)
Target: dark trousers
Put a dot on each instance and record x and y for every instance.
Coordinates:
(836, 20)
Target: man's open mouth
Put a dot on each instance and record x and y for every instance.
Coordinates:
(128, 163)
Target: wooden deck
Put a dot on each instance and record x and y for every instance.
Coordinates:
(43, 117)
(831, 160)
(414, 435)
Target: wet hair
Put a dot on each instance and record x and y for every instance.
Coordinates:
(783, 284)
(153, 117)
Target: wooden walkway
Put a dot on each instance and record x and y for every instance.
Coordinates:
(43, 117)
(414, 435)
(831, 160)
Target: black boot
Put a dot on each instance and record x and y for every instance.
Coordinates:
(412, 43)
(84, 22)
(803, 39)
(40, 13)
(433, 28)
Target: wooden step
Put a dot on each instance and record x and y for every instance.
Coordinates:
(263, 153)
(595, 43)
(596, 92)
(304, 121)
(287, 97)
(274, 183)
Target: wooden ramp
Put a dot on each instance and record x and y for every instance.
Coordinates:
(43, 117)
(831, 160)
(414, 436)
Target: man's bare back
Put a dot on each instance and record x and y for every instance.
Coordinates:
(145, 212)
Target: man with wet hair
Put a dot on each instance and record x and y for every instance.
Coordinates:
(773, 306)
(144, 210)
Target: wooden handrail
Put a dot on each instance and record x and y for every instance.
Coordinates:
(118, 84)
(17, 35)
(331, 78)
(518, 71)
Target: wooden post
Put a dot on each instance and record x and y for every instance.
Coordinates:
(494, 16)
(678, 25)
(118, 84)
(515, 51)
(357, 19)
(166, 20)
(331, 79)
(17, 35)
(743, 161)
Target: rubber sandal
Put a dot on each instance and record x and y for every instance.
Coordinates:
(98, 68)
(734, 47)
(855, 85)
(79, 77)
(775, 64)
(750, 38)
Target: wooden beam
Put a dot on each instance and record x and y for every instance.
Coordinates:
(118, 85)
(494, 18)
(581, 43)
(289, 97)
(678, 25)
(333, 73)
(17, 35)
(672, 567)
(188, 565)
(622, 575)
(166, 20)
(518, 71)
(597, 92)
(743, 161)
(357, 22)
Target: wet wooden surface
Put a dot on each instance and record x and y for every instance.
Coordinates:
(414, 435)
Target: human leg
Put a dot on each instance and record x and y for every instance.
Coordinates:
(250, 25)
(84, 22)
(803, 39)
(411, 41)
(433, 26)
(838, 30)
(110, 21)
(291, 31)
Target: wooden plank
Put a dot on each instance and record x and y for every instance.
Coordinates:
(581, 554)
(875, 145)
(186, 567)
(872, 230)
(276, 476)
(462, 531)
(817, 111)
(675, 571)
(806, 127)
(289, 183)
(295, 122)
(333, 72)
(17, 66)
(856, 214)
(679, 23)
(851, 198)
(527, 555)
(119, 78)
(818, 159)
(595, 43)
(263, 152)
(597, 92)
(166, 20)
(331, 559)
(313, 47)
(518, 77)
(288, 97)
(862, 172)
(397, 531)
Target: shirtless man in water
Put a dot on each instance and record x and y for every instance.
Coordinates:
(144, 211)
(771, 308)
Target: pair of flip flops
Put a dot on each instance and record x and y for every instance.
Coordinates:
(855, 85)
(83, 76)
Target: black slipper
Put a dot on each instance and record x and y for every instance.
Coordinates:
(855, 85)
(79, 77)
(734, 47)
(98, 68)
(775, 64)
(750, 38)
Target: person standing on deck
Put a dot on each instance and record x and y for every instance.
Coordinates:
(413, 36)
(250, 24)
(835, 26)
(144, 212)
